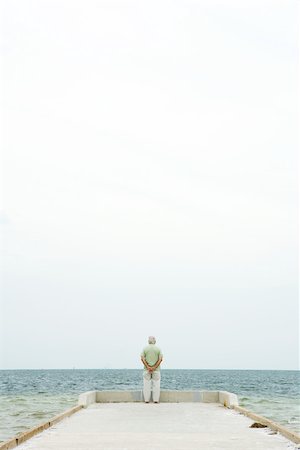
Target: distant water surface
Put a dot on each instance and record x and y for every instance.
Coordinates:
(28, 397)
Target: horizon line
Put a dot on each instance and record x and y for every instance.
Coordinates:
(126, 368)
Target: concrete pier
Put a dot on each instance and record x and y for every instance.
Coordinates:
(123, 422)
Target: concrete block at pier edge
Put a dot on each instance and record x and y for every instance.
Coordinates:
(180, 396)
(119, 396)
(228, 399)
(210, 396)
(87, 398)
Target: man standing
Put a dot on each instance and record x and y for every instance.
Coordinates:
(151, 357)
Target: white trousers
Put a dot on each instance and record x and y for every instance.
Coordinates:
(154, 379)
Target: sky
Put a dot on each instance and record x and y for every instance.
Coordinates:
(149, 162)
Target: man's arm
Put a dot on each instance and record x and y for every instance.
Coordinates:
(145, 363)
(156, 365)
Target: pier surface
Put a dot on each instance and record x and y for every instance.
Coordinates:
(164, 426)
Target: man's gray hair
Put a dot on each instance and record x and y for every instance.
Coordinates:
(151, 340)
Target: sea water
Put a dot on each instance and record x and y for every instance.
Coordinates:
(29, 397)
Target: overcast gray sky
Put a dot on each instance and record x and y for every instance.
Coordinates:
(150, 183)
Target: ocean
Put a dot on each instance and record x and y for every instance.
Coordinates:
(29, 397)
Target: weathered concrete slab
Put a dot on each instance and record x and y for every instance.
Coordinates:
(164, 426)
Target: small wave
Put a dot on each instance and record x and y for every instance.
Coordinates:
(294, 420)
(264, 401)
(37, 415)
(20, 428)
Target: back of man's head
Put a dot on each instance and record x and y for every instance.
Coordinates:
(151, 340)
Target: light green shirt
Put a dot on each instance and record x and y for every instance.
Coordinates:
(151, 353)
